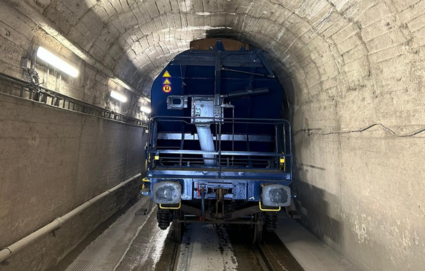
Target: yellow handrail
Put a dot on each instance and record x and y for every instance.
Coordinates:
(171, 208)
(268, 210)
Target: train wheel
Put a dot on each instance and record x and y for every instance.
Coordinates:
(258, 229)
(178, 227)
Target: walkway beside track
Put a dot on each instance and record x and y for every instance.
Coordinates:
(134, 242)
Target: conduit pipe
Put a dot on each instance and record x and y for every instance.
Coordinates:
(207, 144)
(57, 223)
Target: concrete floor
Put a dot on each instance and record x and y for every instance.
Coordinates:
(310, 252)
(134, 242)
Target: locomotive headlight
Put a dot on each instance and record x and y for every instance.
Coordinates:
(167, 193)
(276, 195)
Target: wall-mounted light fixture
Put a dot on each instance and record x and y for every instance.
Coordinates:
(128, 87)
(56, 62)
(118, 96)
(124, 85)
(145, 109)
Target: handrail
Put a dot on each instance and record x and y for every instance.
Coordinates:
(226, 158)
(236, 153)
(228, 120)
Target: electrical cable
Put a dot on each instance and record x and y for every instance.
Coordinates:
(309, 131)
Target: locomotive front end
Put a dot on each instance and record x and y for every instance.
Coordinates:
(218, 149)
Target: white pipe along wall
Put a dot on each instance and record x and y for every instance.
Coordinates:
(57, 223)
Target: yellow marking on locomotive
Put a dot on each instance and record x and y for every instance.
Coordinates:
(166, 74)
(171, 208)
(166, 88)
(166, 82)
(282, 165)
(268, 210)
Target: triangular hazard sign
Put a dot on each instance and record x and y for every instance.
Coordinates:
(167, 82)
(166, 74)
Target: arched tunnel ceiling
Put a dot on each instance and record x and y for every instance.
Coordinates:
(320, 44)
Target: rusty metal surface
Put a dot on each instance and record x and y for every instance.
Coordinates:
(229, 44)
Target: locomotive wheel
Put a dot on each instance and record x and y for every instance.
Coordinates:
(178, 227)
(257, 233)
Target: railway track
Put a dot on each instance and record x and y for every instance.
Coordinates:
(270, 255)
(265, 263)
(274, 256)
(204, 247)
(174, 257)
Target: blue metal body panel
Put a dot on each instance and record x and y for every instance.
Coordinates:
(256, 163)
(245, 185)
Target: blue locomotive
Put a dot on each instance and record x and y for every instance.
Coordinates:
(218, 149)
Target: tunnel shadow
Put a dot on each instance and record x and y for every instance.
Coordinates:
(314, 205)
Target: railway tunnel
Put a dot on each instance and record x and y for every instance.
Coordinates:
(72, 158)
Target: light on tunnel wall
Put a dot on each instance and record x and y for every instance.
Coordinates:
(145, 109)
(56, 62)
(124, 85)
(147, 99)
(118, 96)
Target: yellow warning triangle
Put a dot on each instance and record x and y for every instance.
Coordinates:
(166, 74)
(167, 82)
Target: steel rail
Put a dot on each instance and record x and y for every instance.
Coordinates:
(261, 256)
(175, 255)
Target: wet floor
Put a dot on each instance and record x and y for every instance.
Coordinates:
(134, 242)
(206, 247)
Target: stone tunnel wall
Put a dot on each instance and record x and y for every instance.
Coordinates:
(20, 38)
(345, 65)
(53, 161)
